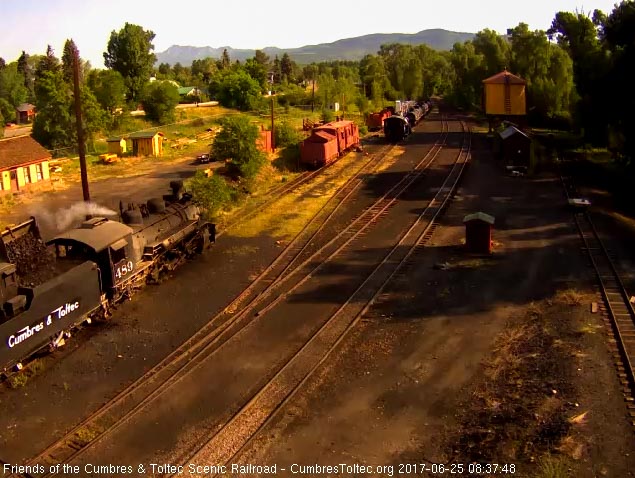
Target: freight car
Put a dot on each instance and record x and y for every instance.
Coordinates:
(396, 128)
(416, 113)
(375, 121)
(89, 269)
(328, 142)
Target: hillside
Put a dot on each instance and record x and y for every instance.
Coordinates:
(346, 49)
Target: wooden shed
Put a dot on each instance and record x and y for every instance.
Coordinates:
(147, 144)
(23, 163)
(515, 147)
(25, 113)
(117, 145)
(478, 232)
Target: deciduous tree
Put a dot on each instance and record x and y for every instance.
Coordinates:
(619, 34)
(129, 52)
(236, 89)
(203, 70)
(109, 89)
(12, 87)
(237, 142)
(159, 100)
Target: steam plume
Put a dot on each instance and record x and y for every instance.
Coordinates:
(64, 218)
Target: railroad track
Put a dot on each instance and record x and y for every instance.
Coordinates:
(617, 305)
(126, 404)
(231, 439)
(275, 194)
(272, 196)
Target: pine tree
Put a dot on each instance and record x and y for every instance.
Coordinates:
(68, 59)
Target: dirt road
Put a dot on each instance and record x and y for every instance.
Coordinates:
(53, 210)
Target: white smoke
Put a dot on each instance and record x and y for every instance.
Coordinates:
(65, 218)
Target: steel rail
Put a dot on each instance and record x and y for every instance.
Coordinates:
(254, 407)
(215, 340)
(77, 448)
(73, 445)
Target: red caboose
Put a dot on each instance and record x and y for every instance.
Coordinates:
(318, 149)
(346, 132)
(328, 142)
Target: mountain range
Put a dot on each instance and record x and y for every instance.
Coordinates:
(346, 49)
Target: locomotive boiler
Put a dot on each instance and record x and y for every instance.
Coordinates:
(396, 128)
(89, 269)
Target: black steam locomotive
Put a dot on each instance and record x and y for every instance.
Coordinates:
(92, 267)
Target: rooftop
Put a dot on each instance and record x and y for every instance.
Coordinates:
(25, 107)
(479, 216)
(102, 235)
(145, 134)
(21, 151)
(510, 131)
(505, 77)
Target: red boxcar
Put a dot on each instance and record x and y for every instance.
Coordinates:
(329, 141)
(375, 121)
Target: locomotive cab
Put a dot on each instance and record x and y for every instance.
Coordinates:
(105, 242)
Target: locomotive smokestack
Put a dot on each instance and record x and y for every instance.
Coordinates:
(177, 190)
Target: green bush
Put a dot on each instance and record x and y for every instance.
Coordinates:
(211, 194)
(286, 135)
(236, 142)
(327, 115)
(292, 95)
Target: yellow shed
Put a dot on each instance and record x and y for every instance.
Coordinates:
(147, 144)
(504, 95)
(117, 145)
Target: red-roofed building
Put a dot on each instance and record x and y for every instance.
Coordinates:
(23, 162)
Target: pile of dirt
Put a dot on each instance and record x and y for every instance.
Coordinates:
(525, 409)
(34, 263)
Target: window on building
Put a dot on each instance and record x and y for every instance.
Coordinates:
(38, 170)
(27, 176)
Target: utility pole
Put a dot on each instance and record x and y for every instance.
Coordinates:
(273, 141)
(313, 96)
(343, 104)
(80, 127)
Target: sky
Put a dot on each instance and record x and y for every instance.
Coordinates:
(31, 25)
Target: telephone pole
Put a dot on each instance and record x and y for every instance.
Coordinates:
(273, 141)
(313, 97)
(80, 127)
